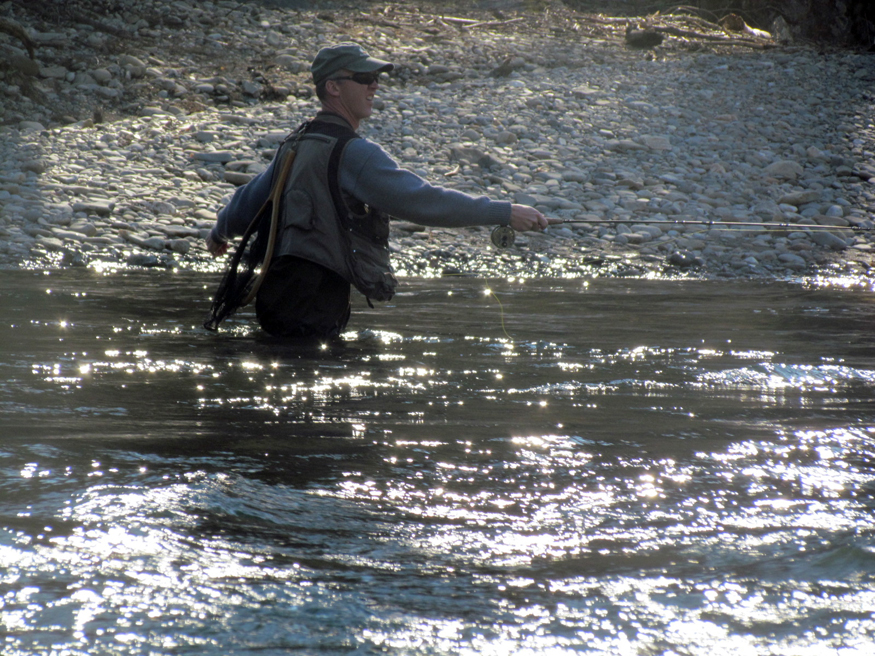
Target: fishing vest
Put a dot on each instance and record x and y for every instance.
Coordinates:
(320, 223)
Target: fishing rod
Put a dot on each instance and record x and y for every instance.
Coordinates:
(505, 236)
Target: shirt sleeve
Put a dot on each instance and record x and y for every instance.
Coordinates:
(233, 219)
(368, 173)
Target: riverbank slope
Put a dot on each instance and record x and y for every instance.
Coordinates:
(128, 130)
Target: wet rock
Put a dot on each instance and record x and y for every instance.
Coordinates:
(143, 260)
(684, 259)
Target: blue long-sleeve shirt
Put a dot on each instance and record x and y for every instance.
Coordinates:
(369, 174)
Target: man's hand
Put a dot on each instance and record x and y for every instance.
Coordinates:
(216, 248)
(524, 218)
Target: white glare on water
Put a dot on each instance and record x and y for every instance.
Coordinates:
(631, 471)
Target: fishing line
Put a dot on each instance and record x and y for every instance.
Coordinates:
(505, 236)
(491, 293)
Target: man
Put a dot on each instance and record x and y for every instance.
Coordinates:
(341, 189)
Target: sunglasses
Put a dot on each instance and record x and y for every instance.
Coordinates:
(361, 78)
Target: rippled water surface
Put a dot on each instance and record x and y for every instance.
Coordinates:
(547, 467)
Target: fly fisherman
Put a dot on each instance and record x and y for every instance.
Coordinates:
(332, 222)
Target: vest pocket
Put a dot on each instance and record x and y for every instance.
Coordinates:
(298, 209)
(370, 267)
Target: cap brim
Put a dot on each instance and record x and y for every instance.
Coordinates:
(370, 65)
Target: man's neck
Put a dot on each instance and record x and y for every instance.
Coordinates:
(327, 108)
(327, 113)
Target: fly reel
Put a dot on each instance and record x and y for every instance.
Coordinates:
(503, 236)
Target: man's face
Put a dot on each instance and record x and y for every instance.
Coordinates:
(356, 95)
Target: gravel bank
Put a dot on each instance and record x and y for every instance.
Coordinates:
(547, 108)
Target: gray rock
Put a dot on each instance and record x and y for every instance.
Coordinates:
(657, 143)
(107, 92)
(220, 157)
(792, 260)
(155, 243)
(99, 207)
(252, 88)
(784, 170)
(799, 198)
(181, 246)
(84, 228)
(292, 64)
(60, 233)
(575, 176)
(829, 240)
(838, 222)
(29, 126)
(55, 72)
(23, 64)
(237, 178)
(51, 243)
(467, 154)
(100, 75)
(38, 166)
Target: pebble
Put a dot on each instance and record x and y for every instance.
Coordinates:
(574, 124)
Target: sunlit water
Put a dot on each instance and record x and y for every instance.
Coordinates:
(549, 467)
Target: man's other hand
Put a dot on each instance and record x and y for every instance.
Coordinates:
(216, 248)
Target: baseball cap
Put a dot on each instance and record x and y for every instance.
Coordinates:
(349, 56)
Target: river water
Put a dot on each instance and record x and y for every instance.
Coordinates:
(617, 467)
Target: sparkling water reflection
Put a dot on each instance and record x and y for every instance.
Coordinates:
(602, 467)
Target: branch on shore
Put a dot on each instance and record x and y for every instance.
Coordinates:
(722, 39)
(677, 26)
(11, 27)
(470, 23)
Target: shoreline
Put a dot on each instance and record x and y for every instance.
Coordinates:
(553, 110)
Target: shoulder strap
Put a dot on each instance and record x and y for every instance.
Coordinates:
(337, 128)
